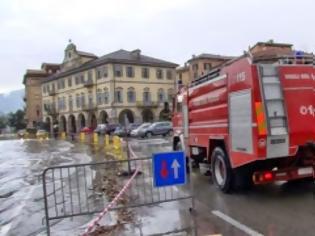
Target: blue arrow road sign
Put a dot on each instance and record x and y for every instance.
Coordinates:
(169, 168)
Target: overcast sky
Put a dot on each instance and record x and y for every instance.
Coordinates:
(36, 31)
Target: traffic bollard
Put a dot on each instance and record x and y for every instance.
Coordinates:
(95, 139)
(82, 137)
(63, 135)
(106, 141)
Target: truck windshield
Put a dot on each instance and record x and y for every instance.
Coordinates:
(179, 106)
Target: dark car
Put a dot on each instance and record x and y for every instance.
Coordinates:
(159, 128)
(121, 131)
(110, 128)
(21, 133)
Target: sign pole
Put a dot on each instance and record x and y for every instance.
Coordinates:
(186, 150)
(127, 144)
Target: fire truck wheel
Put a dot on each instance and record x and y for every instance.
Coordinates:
(221, 170)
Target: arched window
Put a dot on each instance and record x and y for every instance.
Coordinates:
(59, 103)
(106, 96)
(78, 100)
(131, 95)
(170, 93)
(146, 96)
(161, 95)
(99, 96)
(82, 99)
(70, 102)
(119, 95)
(64, 103)
(90, 98)
(37, 111)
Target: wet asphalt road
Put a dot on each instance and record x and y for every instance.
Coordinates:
(21, 191)
(273, 209)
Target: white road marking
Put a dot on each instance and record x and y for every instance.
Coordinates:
(236, 224)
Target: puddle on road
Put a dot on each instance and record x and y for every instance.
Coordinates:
(21, 193)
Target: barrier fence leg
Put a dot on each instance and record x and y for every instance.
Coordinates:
(185, 141)
(46, 205)
(128, 157)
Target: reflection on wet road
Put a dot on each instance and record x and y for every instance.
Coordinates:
(274, 209)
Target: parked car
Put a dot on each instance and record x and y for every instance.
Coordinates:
(121, 131)
(42, 134)
(100, 129)
(132, 126)
(159, 128)
(140, 131)
(110, 128)
(86, 130)
(22, 133)
(31, 133)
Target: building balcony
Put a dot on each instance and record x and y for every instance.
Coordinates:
(89, 107)
(52, 92)
(89, 83)
(147, 104)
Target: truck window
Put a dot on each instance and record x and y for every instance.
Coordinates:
(179, 106)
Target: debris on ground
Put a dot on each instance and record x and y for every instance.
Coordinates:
(107, 230)
(110, 185)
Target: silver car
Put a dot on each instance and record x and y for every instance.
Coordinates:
(159, 128)
(140, 131)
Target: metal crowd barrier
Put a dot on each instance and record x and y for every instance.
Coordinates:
(85, 189)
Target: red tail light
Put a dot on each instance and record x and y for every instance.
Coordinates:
(268, 176)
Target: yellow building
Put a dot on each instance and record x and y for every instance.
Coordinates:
(91, 90)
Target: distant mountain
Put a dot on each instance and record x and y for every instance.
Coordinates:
(10, 102)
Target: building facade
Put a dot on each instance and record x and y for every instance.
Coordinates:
(33, 96)
(271, 47)
(91, 90)
(198, 66)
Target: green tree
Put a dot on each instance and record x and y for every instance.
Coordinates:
(3, 121)
(16, 119)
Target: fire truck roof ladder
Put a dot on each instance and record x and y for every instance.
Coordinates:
(211, 75)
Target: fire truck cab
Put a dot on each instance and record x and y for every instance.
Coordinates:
(252, 119)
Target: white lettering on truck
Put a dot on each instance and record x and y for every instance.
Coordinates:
(299, 76)
(307, 110)
(240, 77)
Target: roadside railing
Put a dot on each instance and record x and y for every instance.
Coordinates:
(86, 189)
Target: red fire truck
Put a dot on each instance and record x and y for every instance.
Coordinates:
(252, 119)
